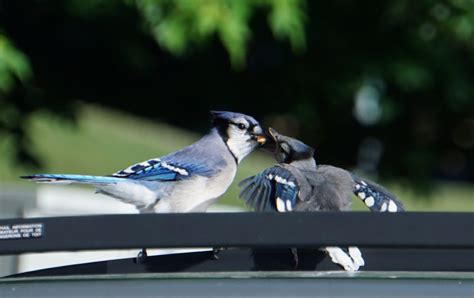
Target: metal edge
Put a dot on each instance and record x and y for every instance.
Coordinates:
(377, 275)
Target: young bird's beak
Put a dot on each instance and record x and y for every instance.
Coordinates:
(273, 133)
(270, 144)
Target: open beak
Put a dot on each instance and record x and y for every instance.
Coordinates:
(271, 145)
(273, 134)
(270, 141)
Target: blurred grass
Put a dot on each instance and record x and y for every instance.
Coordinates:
(105, 141)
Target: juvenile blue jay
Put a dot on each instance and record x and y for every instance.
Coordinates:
(297, 184)
(188, 180)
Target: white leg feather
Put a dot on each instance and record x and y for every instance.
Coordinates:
(339, 257)
(356, 255)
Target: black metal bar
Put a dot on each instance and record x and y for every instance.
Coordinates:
(244, 259)
(298, 229)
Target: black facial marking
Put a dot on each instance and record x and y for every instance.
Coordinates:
(222, 125)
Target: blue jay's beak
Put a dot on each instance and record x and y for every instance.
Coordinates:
(258, 134)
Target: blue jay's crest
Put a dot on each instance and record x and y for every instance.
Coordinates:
(233, 117)
(273, 189)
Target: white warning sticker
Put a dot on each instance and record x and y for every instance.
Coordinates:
(21, 231)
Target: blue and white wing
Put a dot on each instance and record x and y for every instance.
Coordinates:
(160, 170)
(273, 189)
(375, 196)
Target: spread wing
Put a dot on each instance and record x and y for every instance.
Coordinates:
(273, 189)
(157, 169)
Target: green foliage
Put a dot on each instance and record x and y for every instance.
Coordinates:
(287, 21)
(15, 70)
(461, 23)
(14, 65)
(178, 24)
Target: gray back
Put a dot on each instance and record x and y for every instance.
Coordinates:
(328, 188)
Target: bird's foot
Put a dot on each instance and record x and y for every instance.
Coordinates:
(142, 256)
(339, 257)
(356, 256)
(294, 252)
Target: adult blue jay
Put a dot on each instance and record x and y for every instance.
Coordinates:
(297, 184)
(188, 180)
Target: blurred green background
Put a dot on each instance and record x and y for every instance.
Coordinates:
(382, 88)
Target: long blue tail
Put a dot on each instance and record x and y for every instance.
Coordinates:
(71, 178)
(375, 196)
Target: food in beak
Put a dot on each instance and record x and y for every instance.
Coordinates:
(261, 139)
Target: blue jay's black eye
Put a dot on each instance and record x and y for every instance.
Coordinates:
(241, 126)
